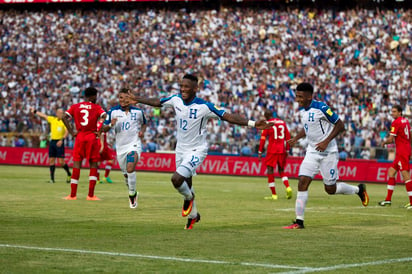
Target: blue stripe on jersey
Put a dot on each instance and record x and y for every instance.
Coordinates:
(109, 114)
(329, 114)
(163, 100)
(214, 109)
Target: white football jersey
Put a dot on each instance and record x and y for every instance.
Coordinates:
(318, 121)
(127, 127)
(191, 121)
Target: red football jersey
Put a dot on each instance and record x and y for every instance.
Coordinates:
(401, 130)
(86, 115)
(277, 135)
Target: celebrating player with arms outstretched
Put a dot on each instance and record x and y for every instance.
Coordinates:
(192, 114)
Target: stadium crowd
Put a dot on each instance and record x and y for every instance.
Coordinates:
(358, 60)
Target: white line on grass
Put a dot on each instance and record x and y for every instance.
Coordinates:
(153, 257)
(336, 211)
(344, 266)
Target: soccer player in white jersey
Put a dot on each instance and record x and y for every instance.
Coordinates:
(192, 114)
(320, 127)
(129, 124)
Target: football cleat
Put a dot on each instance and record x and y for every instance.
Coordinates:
(191, 222)
(407, 205)
(298, 224)
(94, 198)
(187, 206)
(50, 181)
(273, 197)
(108, 180)
(68, 178)
(70, 198)
(363, 195)
(133, 200)
(288, 193)
(385, 203)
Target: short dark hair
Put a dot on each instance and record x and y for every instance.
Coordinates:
(191, 77)
(398, 107)
(124, 90)
(305, 87)
(90, 91)
(268, 114)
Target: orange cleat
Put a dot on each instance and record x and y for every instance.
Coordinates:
(191, 222)
(94, 198)
(70, 198)
(187, 206)
(363, 195)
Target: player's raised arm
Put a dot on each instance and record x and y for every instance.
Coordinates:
(134, 98)
(38, 113)
(240, 120)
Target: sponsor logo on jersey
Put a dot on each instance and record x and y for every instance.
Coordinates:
(329, 112)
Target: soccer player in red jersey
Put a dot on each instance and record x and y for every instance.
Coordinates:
(85, 115)
(401, 134)
(106, 154)
(276, 152)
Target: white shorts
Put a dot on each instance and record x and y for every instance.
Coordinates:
(326, 163)
(122, 157)
(191, 160)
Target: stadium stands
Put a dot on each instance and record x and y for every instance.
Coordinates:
(248, 59)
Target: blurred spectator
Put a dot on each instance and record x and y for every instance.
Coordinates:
(4, 141)
(246, 150)
(19, 141)
(151, 146)
(365, 154)
(343, 155)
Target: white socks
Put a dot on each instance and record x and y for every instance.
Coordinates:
(301, 200)
(131, 181)
(343, 188)
(185, 191)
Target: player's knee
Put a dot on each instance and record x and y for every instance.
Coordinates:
(177, 180)
(331, 190)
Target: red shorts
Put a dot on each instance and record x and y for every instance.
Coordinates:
(86, 146)
(401, 162)
(107, 154)
(279, 159)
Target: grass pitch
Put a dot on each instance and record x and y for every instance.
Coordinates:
(239, 231)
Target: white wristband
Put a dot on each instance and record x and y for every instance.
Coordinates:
(251, 123)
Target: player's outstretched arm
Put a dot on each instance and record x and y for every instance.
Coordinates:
(135, 98)
(38, 113)
(240, 120)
